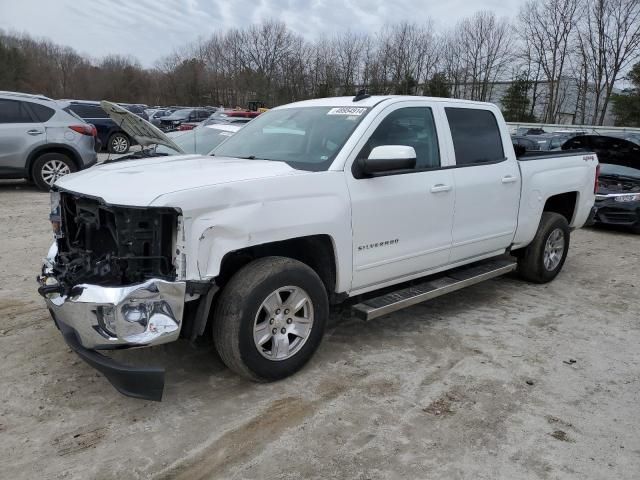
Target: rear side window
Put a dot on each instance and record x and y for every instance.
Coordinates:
(14, 111)
(88, 111)
(41, 112)
(412, 127)
(476, 136)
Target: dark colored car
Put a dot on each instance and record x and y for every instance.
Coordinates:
(183, 115)
(138, 109)
(550, 141)
(156, 115)
(112, 137)
(618, 190)
(527, 143)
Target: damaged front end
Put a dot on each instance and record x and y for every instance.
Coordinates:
(110, 282)
(110, 245)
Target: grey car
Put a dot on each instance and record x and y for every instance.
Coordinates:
(42, 139)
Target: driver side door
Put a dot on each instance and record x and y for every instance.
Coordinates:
(401, 222)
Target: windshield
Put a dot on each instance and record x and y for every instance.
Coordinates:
(608, 170)
(200, 141)
(306, 138)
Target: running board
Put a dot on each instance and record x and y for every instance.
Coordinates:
(453, 280)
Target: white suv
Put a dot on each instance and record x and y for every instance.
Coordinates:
(42, 140)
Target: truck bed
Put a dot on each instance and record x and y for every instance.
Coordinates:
(545, 174)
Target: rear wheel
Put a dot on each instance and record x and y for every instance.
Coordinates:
(48, 167)
(543, 259)
(270, 318)
(118, 143)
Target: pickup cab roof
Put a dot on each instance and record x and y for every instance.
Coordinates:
(371, 101)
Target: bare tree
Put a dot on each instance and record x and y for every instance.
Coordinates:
(549, 26)
(349, 49)
(613, 41)
(477, 52)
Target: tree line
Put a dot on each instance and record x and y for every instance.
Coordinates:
(555, 55)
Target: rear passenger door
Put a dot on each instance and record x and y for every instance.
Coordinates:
(20, 133)
(487, 181)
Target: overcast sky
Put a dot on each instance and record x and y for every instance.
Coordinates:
(150, 29)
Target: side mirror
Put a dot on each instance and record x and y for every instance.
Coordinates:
(387, 158)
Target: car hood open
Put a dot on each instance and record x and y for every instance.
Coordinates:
(139, 182)
(143, 132)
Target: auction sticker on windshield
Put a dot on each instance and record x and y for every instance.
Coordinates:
(347, 111)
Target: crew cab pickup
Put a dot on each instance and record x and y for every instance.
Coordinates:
(377, 201)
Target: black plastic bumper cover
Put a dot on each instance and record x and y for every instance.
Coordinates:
(146, 383)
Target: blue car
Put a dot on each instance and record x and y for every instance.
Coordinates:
(113, 138)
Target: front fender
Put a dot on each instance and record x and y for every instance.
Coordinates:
(229, 217)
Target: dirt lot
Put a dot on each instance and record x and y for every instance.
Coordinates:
(503, 380)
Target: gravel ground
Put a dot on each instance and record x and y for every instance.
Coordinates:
(501, 380)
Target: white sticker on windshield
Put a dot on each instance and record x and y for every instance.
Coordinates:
(226, 134)
(347, 111)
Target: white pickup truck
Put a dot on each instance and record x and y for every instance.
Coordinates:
(383, 200)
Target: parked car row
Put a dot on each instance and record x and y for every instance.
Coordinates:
(618, 188)
(42, 139)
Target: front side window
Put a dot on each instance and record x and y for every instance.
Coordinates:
(411, 127)
(476, 136)
(14, 111)
(306, 138)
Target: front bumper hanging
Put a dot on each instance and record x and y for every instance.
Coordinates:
(94, 317)
(139, 382)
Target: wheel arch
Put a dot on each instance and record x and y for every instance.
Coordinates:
(53, 148)
(316, 251)
(564, 204)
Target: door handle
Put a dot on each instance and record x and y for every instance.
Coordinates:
(440, 187)
(509, 179)
(35, 132)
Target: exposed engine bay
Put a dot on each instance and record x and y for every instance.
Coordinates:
(111, 245)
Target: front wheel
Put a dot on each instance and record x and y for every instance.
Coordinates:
(543, 259)
(270, 318)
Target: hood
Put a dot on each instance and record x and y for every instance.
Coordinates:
(139, 182)
(137, 127)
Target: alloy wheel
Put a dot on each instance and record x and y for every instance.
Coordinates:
(283, 323)
(554, 249)
(52, 170)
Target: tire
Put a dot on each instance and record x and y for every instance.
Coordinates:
(48, 167)
(118, 143)
(241, 308)
(552, 231)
